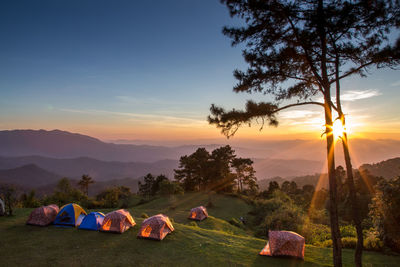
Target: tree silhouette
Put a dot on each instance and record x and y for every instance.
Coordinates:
(244, 173)
(296, 51)
(84, 183)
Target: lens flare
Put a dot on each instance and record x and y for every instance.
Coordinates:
(338, 129)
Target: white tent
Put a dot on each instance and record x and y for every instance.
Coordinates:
(2, 208)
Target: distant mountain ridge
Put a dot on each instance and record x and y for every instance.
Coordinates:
(388, 168)
(97, 169)
(62, 144)
(28, 176)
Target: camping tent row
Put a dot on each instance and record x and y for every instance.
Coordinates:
(280, 243)
(155, 227)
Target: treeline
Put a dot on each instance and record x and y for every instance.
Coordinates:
(220, 171)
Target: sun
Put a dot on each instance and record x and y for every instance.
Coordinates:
(338, 129)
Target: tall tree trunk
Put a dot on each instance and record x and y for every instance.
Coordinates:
(353, 200)
(330, 145)
(349, 171)
(334, 218)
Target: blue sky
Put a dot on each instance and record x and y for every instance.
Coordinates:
(138, 70)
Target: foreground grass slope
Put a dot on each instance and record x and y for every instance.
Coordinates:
(213, 242)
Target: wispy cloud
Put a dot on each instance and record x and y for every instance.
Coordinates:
(298, 114)
(353, 95)
(397, 83)
(154, 118)
(358, 94)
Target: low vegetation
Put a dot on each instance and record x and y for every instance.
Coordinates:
(213, 242)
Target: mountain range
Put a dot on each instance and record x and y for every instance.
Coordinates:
(38, 159)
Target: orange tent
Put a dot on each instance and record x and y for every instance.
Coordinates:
(43, 216)
(284, 243)
(198, 214)
(156, 227)
(117, 221)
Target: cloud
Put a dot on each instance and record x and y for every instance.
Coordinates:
(358, 94)
(397, 83)
(298, 114)
(353, 95)
(155, 118)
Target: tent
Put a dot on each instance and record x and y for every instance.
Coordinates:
(92, 221)
(155, 227)
(198, 214)
(2, 208)
(117, 221)
(70, 215)
(43, 216)
(284, 243)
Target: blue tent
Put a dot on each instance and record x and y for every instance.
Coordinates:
(92, 221)
(70, 215)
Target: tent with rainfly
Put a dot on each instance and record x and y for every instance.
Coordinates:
(2, 208)
(284, 243)
(117, 221)
(198, 213)
(92, 221)
(70, 215)
(155, 227)
(43, 216)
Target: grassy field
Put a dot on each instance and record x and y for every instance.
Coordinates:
(213, 242)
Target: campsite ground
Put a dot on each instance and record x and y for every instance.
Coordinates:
(212, 242)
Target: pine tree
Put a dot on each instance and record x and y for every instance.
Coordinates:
(310, 45)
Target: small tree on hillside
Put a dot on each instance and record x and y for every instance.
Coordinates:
(220, 168)
(244, 173)
(84, 183)
(194, 170)
(146, 186)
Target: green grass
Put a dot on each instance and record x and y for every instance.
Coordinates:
(213, 242)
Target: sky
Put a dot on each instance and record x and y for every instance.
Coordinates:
(149, 70)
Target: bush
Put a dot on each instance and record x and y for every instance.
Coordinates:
(384, 212)
(325, 244)
(144, 215)
(349, 242)
(372, 240)
(287, 218)
(315, 234)
(348, 231)
(91, 203)
(318, 216)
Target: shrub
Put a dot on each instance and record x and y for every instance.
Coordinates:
(325, 244)
(372, 240)
(349, 242)
(384, 212)
(315, 234)
(288, 218)
(144, 215)
(348, 231)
